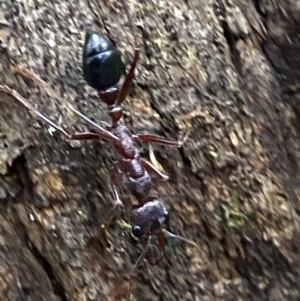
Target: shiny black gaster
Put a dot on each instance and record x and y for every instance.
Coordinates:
(102, 65)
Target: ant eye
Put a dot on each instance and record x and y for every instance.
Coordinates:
(166, 216)
(137, 231)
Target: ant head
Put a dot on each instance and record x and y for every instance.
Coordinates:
(147, 221)
(149, 218)
(102, 65)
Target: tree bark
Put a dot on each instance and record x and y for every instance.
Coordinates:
(223, 76)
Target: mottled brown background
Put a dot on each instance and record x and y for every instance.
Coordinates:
(224, 75)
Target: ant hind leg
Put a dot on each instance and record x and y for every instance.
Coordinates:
(34, 112)
(99, 241)
(102, 132)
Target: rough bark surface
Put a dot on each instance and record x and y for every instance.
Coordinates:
(222, 74)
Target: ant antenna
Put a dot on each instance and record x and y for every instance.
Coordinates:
(178, 237)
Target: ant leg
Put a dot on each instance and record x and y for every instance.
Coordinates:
(161, 241)
(128, 79)
(148, 252)
(155, 138)
(114, 179)
(156, 254)
(33, 111)
(97, 240)
(27, 73)
(151, 168)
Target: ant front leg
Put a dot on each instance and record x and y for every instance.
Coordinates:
(146, 243)
(96, 242)
(154, 254)
(34, 112)
(161, 242)
(151, 253)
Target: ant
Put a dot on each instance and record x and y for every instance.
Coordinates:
(102, 70)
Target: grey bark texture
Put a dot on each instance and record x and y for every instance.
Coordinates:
(222, 75)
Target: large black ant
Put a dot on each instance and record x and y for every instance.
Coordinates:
(102, 70)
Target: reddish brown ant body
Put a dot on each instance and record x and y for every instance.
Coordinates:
(102, 69)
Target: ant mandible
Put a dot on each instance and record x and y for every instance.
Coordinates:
(102, 70)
